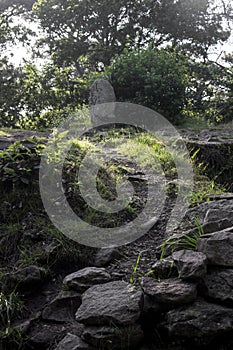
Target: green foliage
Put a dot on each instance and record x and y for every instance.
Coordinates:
(185, 241)
(99, 30)
(11, 307)
(204, 188)
(19, 163)
(135, 269)
(156, 78)
(9, 94)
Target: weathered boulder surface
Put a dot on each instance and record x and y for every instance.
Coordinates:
(72, 342)
(170, 292)
(63, 307)
(218, 247)
(219, 285)
(101, 102)
(128, 337)
(212, 211)
(190, 264)
(115, 302)
(217, 214)
(85, 278)
(200, 321)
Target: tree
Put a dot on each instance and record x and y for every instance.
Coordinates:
(193, 25)
(156, 78)
(100, 29)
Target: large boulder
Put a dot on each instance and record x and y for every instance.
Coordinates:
(170, 292)
(201, 322)
(105, 337)
(217, 247)
(85, 278)
(115, 302)
(219, 285)
(63, 307)
(190, 264)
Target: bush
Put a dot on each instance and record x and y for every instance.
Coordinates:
(155, 78)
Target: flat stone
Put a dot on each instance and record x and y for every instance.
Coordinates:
(202, 321)
(115, 302)
(219, 285)
(217, 247)
(128, 337)
(63, 307)
(170, 292)
(190, 264)
(85, 278)
(72, 342)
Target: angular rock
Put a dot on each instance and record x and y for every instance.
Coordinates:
(85, 278)
(201, 211)
(72, 342)
(105, 256)
(219, 214)
(42, 336)
(219, 285)
(201, 321)
(164, 268)
(23, 326)
(170, 292)
(217, 247)
(26, 279)
(63, 307)
(214, 226)
(115, 302)
(190, 264)
(104, 337)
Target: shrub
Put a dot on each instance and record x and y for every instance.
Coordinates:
(155, 78)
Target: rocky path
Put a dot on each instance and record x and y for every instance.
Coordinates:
(118, 301)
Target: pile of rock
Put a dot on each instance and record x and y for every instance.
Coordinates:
(196, 306)
(187, 300)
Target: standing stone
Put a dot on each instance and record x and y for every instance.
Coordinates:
(101, 102)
